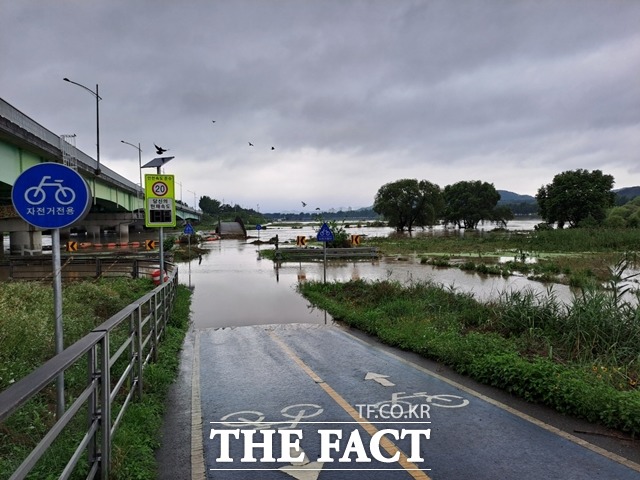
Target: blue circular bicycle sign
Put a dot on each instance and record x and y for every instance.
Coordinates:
(51, 195)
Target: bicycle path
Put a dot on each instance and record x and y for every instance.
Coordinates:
(257, 391)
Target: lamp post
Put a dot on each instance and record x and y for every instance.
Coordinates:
(180, 183)
(98, 98)
(139, 162)
(195, 207)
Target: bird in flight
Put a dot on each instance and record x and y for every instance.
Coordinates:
(303, 204)
(213, 121)
(273, 148)
(160, 150)
(250, 144)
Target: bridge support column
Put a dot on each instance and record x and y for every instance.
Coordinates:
(93, 233)
(123, 232)
(25, 243)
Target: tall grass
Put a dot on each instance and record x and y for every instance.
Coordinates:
(27, 341)
(574, 240)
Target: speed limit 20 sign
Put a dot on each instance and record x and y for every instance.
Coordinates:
(160, 204)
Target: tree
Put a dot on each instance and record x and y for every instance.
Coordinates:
(574, 196)
(467, 203)
(209, 205)
(408, 203)
(501, 215)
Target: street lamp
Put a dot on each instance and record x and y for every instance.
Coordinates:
(139, 161)
(195, 207)
(180, 183)
(98, 98)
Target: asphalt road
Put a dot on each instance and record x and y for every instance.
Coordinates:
(316, 401)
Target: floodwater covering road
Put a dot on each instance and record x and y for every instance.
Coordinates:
(270, 388)
(234, 287)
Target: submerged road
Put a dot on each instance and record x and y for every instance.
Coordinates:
(314, 401)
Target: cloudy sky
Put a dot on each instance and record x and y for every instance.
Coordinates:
(351, 94)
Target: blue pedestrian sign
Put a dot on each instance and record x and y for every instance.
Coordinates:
(51, 195)
(258, 227)
(325, 234)
(188, 229)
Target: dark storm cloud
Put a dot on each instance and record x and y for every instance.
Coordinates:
(507, 92)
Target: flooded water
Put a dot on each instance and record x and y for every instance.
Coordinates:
(234, 287)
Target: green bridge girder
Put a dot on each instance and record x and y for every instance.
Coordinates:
(110, 196)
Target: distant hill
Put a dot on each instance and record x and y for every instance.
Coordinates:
(624, 195)
(511, 197)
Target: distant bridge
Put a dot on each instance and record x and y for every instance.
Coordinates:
(118, 202)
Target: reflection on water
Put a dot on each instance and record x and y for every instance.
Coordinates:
(233, 287)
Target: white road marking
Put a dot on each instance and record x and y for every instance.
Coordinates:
(381, 379)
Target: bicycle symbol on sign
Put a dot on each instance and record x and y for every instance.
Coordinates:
(256, 420)
(36, 195)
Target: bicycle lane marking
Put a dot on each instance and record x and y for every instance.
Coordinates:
(550, 428)
(243, 371)
(311, 348)
(387, 444)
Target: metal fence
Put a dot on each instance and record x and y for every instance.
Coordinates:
(111, 358)
(77, 267)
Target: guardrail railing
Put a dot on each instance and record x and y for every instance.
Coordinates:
(112, 358)
(77, 267)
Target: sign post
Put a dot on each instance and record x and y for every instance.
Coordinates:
(325, 235)
(160, 203)
(52, 196)
(188, 231)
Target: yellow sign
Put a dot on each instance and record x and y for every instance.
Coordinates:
(72, 246)
(160, 203)
(301, 240)
(355, 239)
(150, 244)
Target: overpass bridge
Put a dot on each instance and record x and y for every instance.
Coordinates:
(118, 203)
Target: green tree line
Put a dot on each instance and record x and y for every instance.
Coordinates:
(575, 198)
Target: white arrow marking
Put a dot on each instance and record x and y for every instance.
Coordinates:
(381, 379)
(303, 470)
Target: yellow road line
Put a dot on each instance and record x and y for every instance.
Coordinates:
(387, 444)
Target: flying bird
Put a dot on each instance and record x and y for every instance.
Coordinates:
(213, 121)
(250, 144)
(303, 204)
(160, 150)
(273, 148)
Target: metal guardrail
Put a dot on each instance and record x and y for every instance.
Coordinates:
(76, 267)
(317, 254)
(114, 355)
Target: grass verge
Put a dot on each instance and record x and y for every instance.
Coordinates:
(27, 341)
